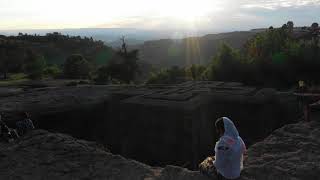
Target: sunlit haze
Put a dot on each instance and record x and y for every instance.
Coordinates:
(148, 14)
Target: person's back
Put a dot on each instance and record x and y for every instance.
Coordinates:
(25, 125)
(229, 151)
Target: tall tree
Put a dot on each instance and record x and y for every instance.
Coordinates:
(34, 65)
(290, 26)
(4, 62)
(315, 30)
(314, 26)
(124, 66)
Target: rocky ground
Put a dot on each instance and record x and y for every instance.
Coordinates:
(44, 155)
(291, 152)
(157, 125)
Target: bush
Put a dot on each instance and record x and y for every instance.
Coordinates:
(227, 65)
(195, 72)
(172, 75)
(76, 67)
(103, 75)
(52, 71)
(34, 66)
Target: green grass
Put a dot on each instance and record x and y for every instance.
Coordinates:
(17, 76)
(14, 79)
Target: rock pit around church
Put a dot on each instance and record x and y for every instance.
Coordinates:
(156, 125)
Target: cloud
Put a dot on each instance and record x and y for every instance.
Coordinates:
(164, 14)
(276, 4)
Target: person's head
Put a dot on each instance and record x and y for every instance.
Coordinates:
(219, 126)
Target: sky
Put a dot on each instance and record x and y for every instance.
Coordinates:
(215, 15)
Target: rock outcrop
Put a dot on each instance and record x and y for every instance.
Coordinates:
(156, 125)
(44, 155)
(291, 152)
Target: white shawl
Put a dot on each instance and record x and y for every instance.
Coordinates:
(229, 151)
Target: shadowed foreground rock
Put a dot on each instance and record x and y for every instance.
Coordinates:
(291, 152)
(44, 155)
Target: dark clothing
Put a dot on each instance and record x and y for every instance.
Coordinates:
(220, 177)
(6, 133)
(304, 102)
(24, 126)
(14, 133)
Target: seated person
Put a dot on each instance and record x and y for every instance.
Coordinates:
(14, 133)
(25, 125)
(6, 134)
(228, 160)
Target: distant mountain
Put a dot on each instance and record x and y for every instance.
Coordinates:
(129, 41)
(158, 47)
(111, 36)
(104, 34)
(191, 50)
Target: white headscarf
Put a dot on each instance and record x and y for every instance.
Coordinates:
(229, 128)
(229, 151)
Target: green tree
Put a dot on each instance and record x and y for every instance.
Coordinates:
(195, 71)
(315, 30)
(226, 65)
(280, 59)
(53, 71)
(11, 59)
(76, 66)
(124, 65)
(290, 26)
(314, 26)
(103, 75)
(4, 63)
(171, 75)
(34, 65)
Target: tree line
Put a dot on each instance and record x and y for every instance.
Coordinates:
(277, 57)
(18, 56)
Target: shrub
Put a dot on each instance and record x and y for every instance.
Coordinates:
(34, 66)
(52, 71)
(103, 75)
(172, 75)
(76, 67)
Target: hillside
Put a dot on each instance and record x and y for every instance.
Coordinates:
(182, 52)
(55, 47)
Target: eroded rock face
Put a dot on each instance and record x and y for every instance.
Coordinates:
(157, 125)
(291, 152)
(44, 155)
